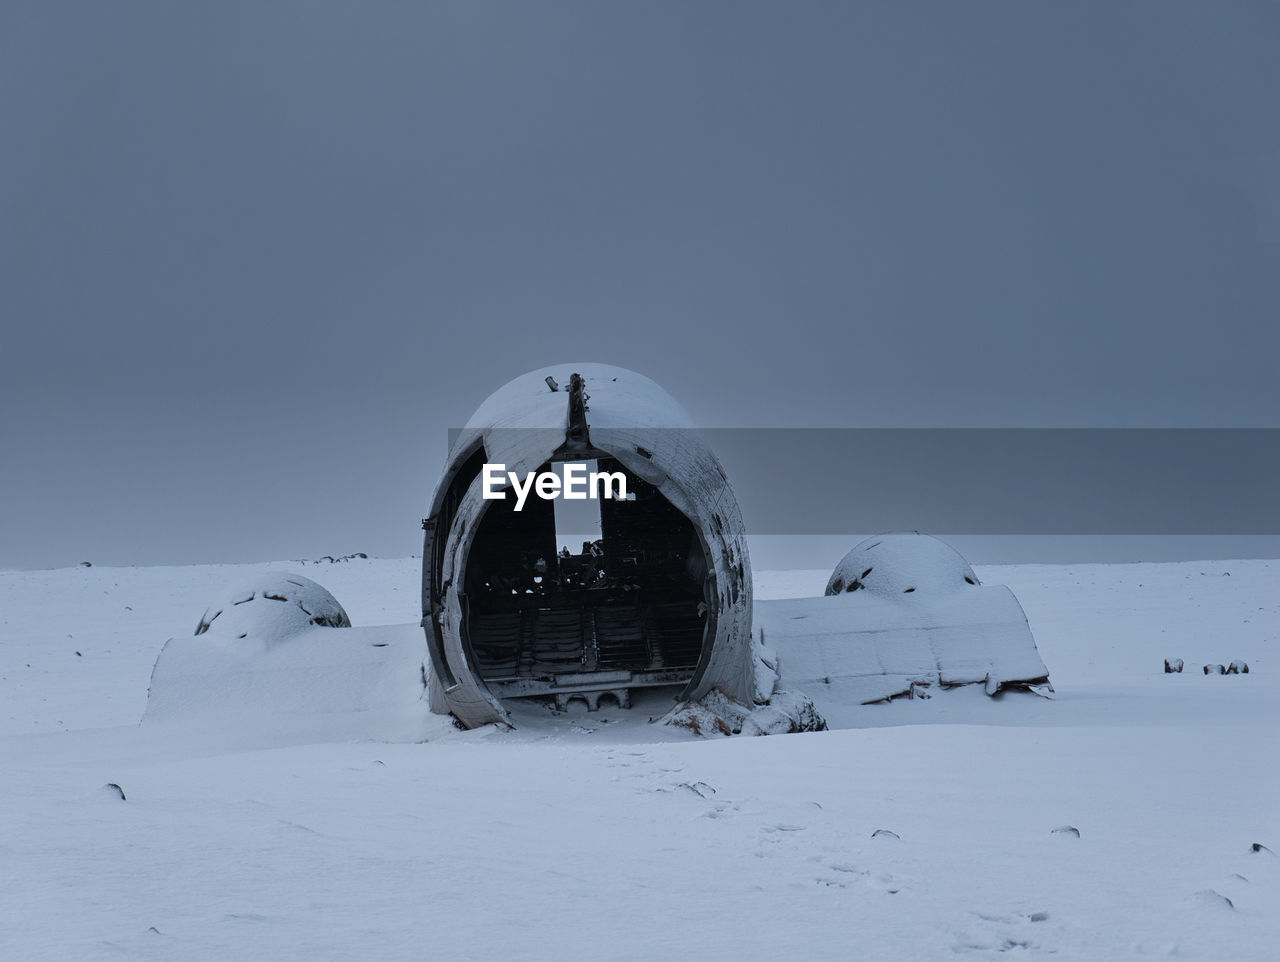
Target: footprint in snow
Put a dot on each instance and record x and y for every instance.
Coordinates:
(784, 827)
(845, 877)
(1002, 933)
(847, 868)
(980, 943)
(722, 810)
(891, 885)
(842, 874)
(629, 760)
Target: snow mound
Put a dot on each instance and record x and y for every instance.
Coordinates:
(272, 606)
(895, 564)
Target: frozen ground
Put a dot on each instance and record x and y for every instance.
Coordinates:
(595, 835)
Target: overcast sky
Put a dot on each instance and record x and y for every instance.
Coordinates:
(257, 258)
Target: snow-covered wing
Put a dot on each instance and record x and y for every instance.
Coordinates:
(345, 683)
(859, 647)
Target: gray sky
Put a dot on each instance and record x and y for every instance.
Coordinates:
(256, 259)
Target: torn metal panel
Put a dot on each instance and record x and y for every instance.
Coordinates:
(662, 599)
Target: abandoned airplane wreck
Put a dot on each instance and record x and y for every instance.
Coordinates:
(661, 599)
(657, 603)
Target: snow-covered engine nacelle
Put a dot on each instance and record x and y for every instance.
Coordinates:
(661, 599)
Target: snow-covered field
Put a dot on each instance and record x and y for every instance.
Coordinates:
(596, 835)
